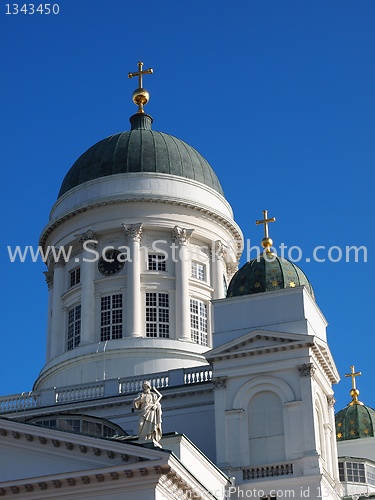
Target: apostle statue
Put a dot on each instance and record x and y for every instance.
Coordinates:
(148, 405)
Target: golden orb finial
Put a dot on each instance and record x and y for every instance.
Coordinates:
(266, 241)
(140, 95)
(354, 391)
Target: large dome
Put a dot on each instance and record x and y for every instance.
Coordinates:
(140, 150)
(265, 275)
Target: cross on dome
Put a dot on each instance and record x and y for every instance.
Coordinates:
(140, 95)
(354, 391)
(266, 241)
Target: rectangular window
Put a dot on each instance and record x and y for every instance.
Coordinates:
(75, 276)
(370, 473)
(198, 321)
(355, 472)
(157, 314)
(156, 262)
(198, 271)
(74, 327)
(111, 317)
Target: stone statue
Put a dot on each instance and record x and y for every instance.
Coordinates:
(149, 408)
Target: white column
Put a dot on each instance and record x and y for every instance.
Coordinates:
(218, 270)
(49, 280)
(57, 342)
(133, 233)
(181, 238)
(88, 241)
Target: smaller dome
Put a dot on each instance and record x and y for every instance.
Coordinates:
(266, 275)
(355, 422)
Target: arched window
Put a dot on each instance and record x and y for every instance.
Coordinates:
(320, 444)
(266, 429)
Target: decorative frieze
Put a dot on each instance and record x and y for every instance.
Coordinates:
(134, 231)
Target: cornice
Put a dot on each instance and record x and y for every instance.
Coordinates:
(226, 222)
(154, 466)
(236, 351)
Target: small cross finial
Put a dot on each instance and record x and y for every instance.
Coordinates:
(140, 96)
(266, 241)
(354, 391)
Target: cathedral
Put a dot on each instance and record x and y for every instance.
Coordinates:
(171, 373)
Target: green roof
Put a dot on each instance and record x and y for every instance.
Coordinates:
(265, 275)
(355, 422)
(140, 150)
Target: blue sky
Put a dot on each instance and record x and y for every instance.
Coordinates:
(278, 95)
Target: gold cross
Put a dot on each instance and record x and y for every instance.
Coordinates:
(140, 73)
(265, 221)
(353, 374)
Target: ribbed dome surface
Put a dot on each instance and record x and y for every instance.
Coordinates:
(265, 275)
(355, 422)
(140, 150)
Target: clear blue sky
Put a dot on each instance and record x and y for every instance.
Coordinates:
(278, 95)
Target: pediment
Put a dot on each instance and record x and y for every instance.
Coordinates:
(259, 342)
(41, 451)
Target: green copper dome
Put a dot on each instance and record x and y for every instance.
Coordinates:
(355, 422)
(266, 275)
(140, 150)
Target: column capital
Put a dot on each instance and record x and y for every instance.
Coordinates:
(89, 236)
(60, 261)
(134, 231)
(306, 370)
(331, 401)
(181, 235)
(218, 250)
(219, 382)
(49, 278)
